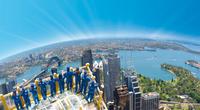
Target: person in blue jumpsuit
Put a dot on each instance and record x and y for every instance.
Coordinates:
(52, 85)
(54, 70)
(68, 77)
(34, 93)
(26, 98)
(91, 89)
(61, 83)
(17, 101)
(77, 75)
(42, 85)
(84, 84)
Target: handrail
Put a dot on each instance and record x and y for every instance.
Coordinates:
(10, 106)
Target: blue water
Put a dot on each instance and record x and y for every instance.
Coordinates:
(148, 63)
(29, 73)
(144, 62)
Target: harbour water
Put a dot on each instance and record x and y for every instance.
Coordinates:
(148, 62)
(144, 62)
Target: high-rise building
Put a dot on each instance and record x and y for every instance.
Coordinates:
(150, 101)
(130, 100)
(3, 88)
(111, 69)
(121, 97)
(11, 82)
(87, 58)
(134, 89)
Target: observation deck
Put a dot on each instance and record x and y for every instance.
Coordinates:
(69, 100)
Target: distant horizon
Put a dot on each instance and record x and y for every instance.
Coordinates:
(98, 38)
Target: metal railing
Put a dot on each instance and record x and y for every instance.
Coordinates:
(8, 103)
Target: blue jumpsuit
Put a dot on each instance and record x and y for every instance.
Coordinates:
(68, 77)
(95, 74)
(84, 84)
(61, 83)
(77, 80)
(52, 84)
(92, 88)
(53, 70)
(25, 95)
(33, 90)
(42, 85)
(17, 101)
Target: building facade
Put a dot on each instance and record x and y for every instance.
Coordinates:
(134, 90)
(111, 69)
(150, 101)
(121, 97)
(87, 58)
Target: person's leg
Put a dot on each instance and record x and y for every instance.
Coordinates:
(35, 99)
(52, 92)
(76, 88)
(27, 105)
(81, 88)
(67, 85)
(16, 105)
(60, 87)
(91, 97)
(85, 88)
(38, 101)
(20, 104)
(29, 102)
(70, 84)
(45, 94)
(63, 86)
(79, 85)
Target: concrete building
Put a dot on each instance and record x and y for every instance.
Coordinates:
(121, 97)
(8, 85)
(11, 82)
(87, 58)
(3, 88)
(150, 101)
(133, 87)
(111, 69)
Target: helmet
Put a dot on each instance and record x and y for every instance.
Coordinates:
(71, 69)
(68, 69)
(51, 77)
(60, 76)
(77, 69)
(14, 90)
(32, 85)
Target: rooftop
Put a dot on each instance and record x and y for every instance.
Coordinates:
(150, 95)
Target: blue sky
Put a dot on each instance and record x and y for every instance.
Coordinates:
(26, 24)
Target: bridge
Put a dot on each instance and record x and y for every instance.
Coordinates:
(52, 59)
(44, 70)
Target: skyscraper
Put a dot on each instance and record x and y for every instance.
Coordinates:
(87, 58)
(11, 82)
(111, 68)
(121, 97)
(134, 89)
(3, 88)
(150, 101)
